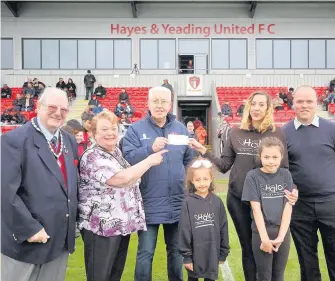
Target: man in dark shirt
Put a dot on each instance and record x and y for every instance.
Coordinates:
(100, 91)
(167, 85)
(311, 151)
(6, 92)
(89, 81)
(123, 96)
(60, 84)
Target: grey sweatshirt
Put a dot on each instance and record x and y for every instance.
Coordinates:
(203, 234)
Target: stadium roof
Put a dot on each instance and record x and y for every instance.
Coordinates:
(14, 6)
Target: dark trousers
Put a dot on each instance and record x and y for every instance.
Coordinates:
(105, 257)
(146, 249)
(307, 219)
(196, 279)
(89, 92)
(240, 214)
(271, 267)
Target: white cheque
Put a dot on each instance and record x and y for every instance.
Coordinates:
(178, 139)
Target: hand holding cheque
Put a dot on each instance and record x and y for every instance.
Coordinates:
(161, 142)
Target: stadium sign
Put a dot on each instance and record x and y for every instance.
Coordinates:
(205, 30)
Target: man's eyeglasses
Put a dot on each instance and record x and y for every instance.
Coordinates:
(160, 102)
(54, 108)
(198, 163)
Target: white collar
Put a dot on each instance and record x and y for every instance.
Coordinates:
(315, 122)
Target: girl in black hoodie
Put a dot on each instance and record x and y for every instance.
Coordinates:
(240, 154)
(203, 227)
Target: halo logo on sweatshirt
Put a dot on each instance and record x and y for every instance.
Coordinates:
(202, 220)
(248, 146)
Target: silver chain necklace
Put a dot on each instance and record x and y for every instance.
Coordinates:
(57, 155)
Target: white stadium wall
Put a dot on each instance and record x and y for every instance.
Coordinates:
(206, 22)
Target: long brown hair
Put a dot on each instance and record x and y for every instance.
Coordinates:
(189, 176)
(267, 123)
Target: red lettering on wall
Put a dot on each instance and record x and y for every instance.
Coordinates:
(193, 29)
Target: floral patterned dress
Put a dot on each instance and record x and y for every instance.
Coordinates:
(107, 210)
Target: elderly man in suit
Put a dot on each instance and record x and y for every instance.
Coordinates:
(39, 194)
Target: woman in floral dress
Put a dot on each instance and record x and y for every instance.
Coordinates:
(110, 202)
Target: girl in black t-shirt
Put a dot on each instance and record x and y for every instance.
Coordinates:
(265, 189)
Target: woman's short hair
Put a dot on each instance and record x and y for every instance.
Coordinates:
(105, 114)
(267, 123)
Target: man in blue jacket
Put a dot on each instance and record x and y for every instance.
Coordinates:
(162, 187)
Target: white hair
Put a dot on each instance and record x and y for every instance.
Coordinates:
(190, 122)
(51, 92)
(159, 89)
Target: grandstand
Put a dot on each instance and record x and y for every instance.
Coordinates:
(235, 46)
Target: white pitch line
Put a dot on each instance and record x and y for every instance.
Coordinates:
(227, 275)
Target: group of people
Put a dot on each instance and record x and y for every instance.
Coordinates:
(283, 98)
(143, 187)
(226, 109)
(197, 131)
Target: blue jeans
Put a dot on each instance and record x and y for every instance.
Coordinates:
(146, 249)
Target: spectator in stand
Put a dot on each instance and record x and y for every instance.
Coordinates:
(129, 110)
(27, 103)
(60, 84)
(25, 84)
(119, 109)
(283, 95)
(162, 187)
(240, 109)
(18, 118)
(29, 90)
(278, 103)
(94, 102)
(332, 85)
(311, 152)
(124, 119)
(324, 100)
(6, 92)
(167, 85)
(88, 137)
(330, 99)
(76, 129)
(190, 129)
(39, 91)
(6, 117)
(189, 67)
(72, 87)
(201, 134)
(87, 114)
(290, 98)
(18, 101)
(36, 84)
(100, 91)
(226, 109)
(123, 96)
(99, 108)
(89, 81)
